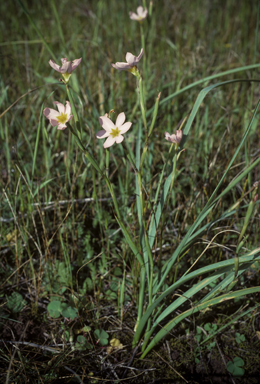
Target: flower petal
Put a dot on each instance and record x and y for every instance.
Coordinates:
(125, 127)
(167, 135)
(140, 55)
(179, 135)
(68, 108)
(60, 107)
(54, 122)
(121, 66)
(61, 126)
(120, 120)
(66, 66)
(55, 66)
(115, 66)
(75, 63)
(174, 138)
(133, 60)
(119, 139)
(106, 123)
(130, 58)
(140, 11)
(51, 113)
(133, 16)
(102, 134)
(109, 142)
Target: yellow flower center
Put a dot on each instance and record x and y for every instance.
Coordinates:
(115, 132)
(62, 118)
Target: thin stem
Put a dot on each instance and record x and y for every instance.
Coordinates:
(142, 103)
(141, 296)
(118, 214)
(74, 111)
(150, 130)
(147, 245)
(159, 186)
(164, 217)
(107, 162)
(112, 193)
(146, 242)
(144, 60)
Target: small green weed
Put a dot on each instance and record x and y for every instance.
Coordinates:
(101, 336)
(240, 338)
(15, 302)
(57, 308)
(235, 366)
(82, 344)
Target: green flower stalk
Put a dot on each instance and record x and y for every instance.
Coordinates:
(150, 129)
(140, 16)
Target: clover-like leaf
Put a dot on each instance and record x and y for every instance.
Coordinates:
(211, 328)
(235, 367)
(118, 271)
(240, 338)
(54, 309)
(82, 344)
(68, 312)
(111, 295)
(101, 336)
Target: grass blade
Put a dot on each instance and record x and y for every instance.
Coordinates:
(229, 296)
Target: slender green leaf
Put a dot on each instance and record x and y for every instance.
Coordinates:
(210, 204)
(225, 266)
(168, 327)
(204, 80)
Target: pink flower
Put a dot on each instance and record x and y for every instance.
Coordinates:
(140, 15)
(174, 138)
(131, 62)
(67, 68)
(59, 118)
(113, 132)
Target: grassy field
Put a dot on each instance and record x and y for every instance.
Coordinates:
(138, 263)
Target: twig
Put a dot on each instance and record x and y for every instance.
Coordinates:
(130, 362)
(33, 345)
(166, 362)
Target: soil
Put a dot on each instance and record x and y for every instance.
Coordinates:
(30, 353)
